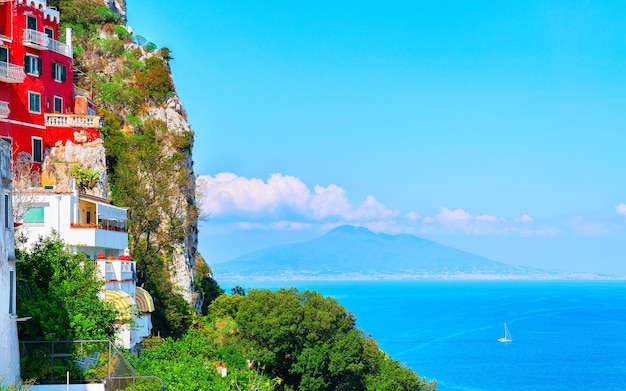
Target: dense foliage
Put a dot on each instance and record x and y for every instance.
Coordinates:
(277, 340)
(59, 290)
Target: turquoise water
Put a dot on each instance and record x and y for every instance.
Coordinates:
(566, 335)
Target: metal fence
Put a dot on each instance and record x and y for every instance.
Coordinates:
(134, 383)
(49, 362)
(79, 362)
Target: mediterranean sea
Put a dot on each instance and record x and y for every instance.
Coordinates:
(567, 335)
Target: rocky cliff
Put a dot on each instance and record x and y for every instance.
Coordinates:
(144, 161)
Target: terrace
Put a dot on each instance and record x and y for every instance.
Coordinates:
(73, 121)
(35, 39)
(59, 47)
(10, 73)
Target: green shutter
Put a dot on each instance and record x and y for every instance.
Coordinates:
(39, 66)
(26, 63)
(63, 73)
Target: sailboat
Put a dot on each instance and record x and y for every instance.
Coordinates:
(507, 335)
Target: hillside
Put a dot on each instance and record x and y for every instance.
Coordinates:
(349, 252)
(145, 154)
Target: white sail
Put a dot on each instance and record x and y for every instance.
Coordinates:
(507, 335)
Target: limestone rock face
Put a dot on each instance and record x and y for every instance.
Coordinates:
(60, 159)
(184, 258)
(117, 6)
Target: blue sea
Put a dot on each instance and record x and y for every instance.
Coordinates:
(567, 335)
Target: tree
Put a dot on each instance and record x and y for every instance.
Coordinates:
(308, 342)
(144, 176)
(59, 290)
(305, 339)
(238, 290)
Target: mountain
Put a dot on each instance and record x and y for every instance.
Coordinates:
(349, 252)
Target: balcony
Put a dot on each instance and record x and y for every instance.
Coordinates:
(88, 235)
(59, 47)
(4, 109)
(35, 39)
(73, 121)
(10, 73)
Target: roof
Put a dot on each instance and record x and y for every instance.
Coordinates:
(144, 300)
(123, 302)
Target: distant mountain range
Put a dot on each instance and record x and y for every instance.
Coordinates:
(356, 253)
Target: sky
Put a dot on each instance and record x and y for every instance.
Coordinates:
(498, 129)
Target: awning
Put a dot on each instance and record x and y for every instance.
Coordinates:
(110, 212)
(144, 300)
(123, 302)
(107, 211)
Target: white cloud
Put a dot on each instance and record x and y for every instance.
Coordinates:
(412, 216)
(582, 227)
(283, 201)
(459, 220)
(329, 201)
(524, 219)
(621, 209)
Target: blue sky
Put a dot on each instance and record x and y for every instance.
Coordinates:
(498, 129)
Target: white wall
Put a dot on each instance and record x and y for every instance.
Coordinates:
(9, 348)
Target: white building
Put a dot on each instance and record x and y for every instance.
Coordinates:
(9, 349)
(93, 226)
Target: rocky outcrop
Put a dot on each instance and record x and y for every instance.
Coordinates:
(184, 256)
(59, 160)
(117, 6)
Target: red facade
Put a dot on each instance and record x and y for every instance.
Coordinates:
(39, 106)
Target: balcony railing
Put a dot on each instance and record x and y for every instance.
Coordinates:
(104, 227)
(11, 73)
(4, 109)
(59, 47)
(35, 39)
(73, 121)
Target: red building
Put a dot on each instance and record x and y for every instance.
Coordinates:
(39, 105)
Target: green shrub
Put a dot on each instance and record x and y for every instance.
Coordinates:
(121, 31)
(113, 45)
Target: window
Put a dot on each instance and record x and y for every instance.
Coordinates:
(59, 72)
(37, 150)
(34, 102)
(32, 64)
(31, 22)
(34, 215)
(7, 212)
(4, 54)
(49, 32)
(58, 104)
(11, 292)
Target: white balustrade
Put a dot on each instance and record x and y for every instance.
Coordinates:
(35, 38)
(59, 47)
(73, 121)
(4, 109)
(11, 73)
